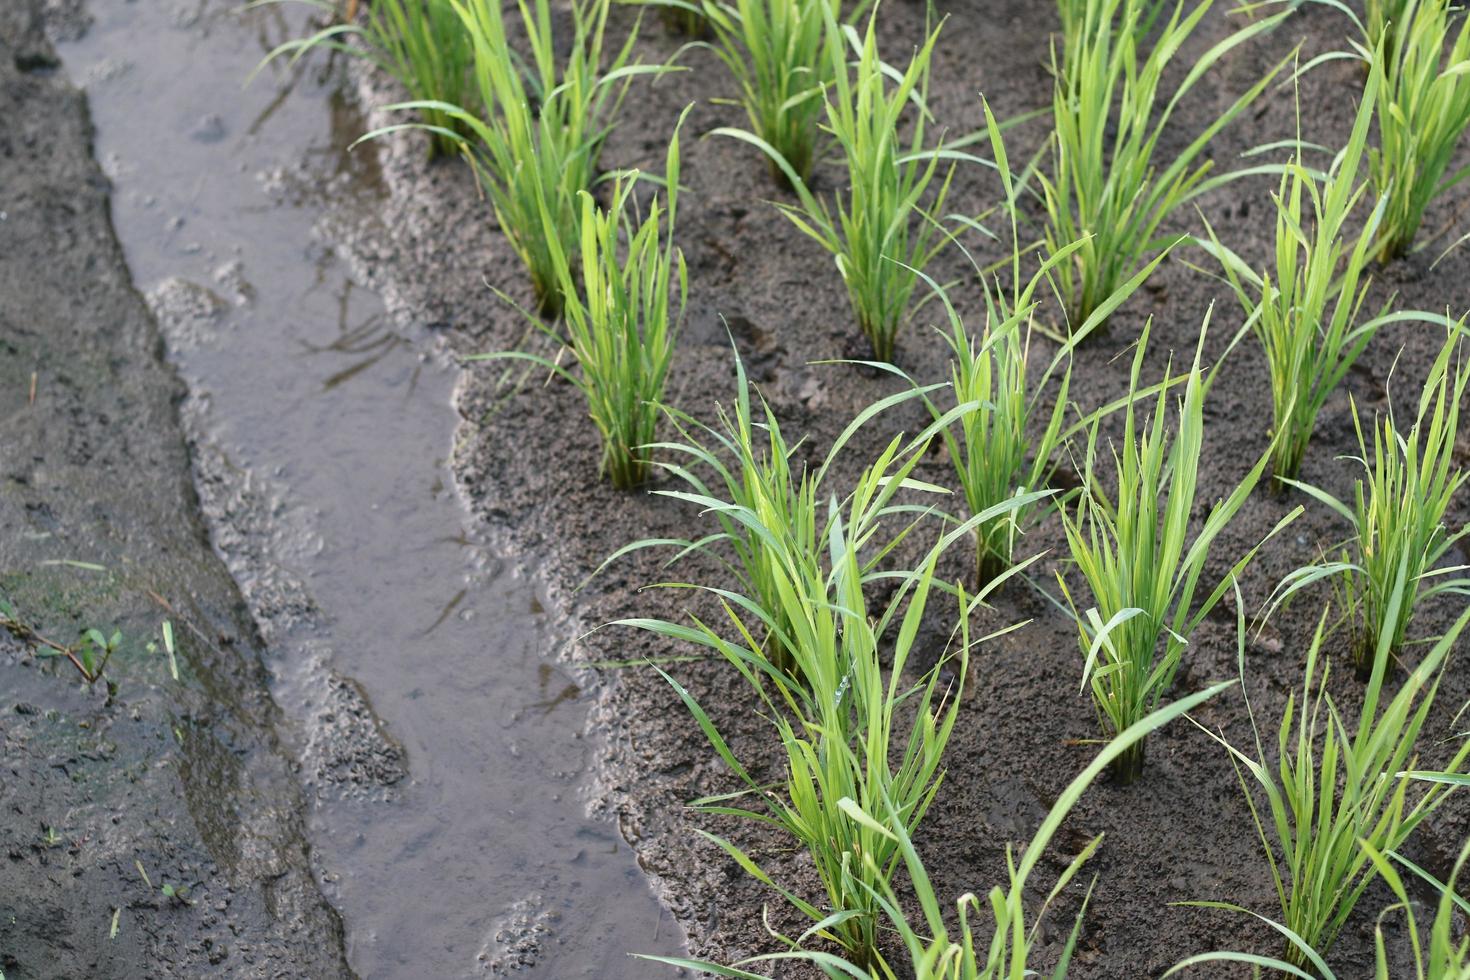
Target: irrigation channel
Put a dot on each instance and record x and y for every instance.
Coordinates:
(440, 743)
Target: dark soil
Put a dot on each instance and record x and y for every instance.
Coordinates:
(185, 779)
(528, 461)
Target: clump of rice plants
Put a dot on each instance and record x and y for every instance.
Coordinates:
(1306, 315)
(879, 230)
(1422, 105)
(1004, 945)
(780, 53)
(1336, 801)
(1105, 188)
(624, 293)
(421, 43)
(1132, 553)
(1397, 514)
(741, 472)
(837, 723)
(535, 138)
(990, 432)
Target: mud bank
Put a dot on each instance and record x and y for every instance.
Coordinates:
(186, 778)
(527, 459)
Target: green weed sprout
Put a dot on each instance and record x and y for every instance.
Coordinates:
(1132, 553)
(1397, 514)
(1306, 316)
(1002, 949)
(421, 43)
(1422, 105)
(740, 471)
(779, 52)
(1338, 803)
(837, 724)
(536, 138)
(1105, 188)
(620, 315)
(880, 234)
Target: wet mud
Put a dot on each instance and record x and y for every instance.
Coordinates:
(152, 825)
(440, 744)
(527, 459)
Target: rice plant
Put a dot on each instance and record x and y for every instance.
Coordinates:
(1337, 801)
(1306, 316)
(1004, 943)
(992, 442)
(1422, 105)
(837, 724)
(1131, 551)
(780, 54)
(1105, 187)
(621, 314)
(742, 472)
(535, 137)
(421, 43)
(878, 231)
(1073, 15)
(1381, 23)
(1393, 561)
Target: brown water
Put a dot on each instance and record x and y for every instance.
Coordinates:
(321, 433)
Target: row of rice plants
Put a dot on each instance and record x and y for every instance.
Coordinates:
(798, 625)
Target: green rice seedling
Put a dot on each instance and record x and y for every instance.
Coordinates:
(1073, 14)
(1338, 802)
(880, 234)
(1306, 316)
(1397, 515)
(1422, 105)
(535, 139)
(740, 472)
(780, 53)
(1004, 945)
(1381, 23)
(1105, 188)
(421, 43)
(837, 725)
(619, 325)
(1132, 553)
(992, 441)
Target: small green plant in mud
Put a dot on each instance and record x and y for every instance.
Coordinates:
(421, 43)
(1306, 316)
(1105, 188)
(536, 132)
(624, 293)
(1421, 102)
(1133, 552)
(1336, 800)
(990, 431)
(779, 52)
(1444, 957)
(839, 722)
(742, 472)
(880, 231)
(1398, 510)
(948, 948)
(90, 653)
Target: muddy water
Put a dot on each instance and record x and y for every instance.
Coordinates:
(439, 740)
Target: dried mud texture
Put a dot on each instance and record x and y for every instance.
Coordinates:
(186, 778)
(527, 459)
